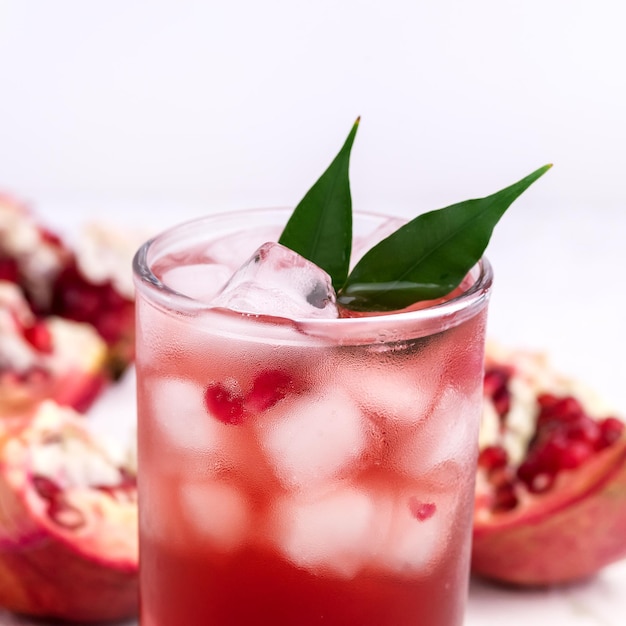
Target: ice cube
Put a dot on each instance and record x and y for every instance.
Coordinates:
(216, 512)
(330, 533)
(199, 281)
(178, 407)
(277, 281)
(448, 433)
(314, 438)
(187, 435)
(390, 386)
(420, 527)
(233, 249)
(160, 495)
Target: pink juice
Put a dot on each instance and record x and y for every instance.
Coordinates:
(300, 471)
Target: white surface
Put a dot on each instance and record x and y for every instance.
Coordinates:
(240, 103)
(152, 111)
(599, 602)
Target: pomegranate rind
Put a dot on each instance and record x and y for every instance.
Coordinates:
(562, 536)
(573, 530)
(85, 575)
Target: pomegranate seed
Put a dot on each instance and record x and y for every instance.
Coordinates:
(611, 429)
(111, 298)
(566, 409)
(500, 477)
(502, 402)
(101, 305)
(38, 335)
(547, 400)
(565, 438)
(575, 454)
(495, 378)
(526, 471)
(495, 387)
(505, 498)
(109, 325)
(224, 404)
(9, 270)
(492, 458)
(546, 453)
(64, 514)
(585, 430)
(534, 476)
(268, 388)
(75, 298)
(81, 305)
(46, 487)
(421, 510)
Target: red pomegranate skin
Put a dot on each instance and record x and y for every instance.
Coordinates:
(45, 573)
(562, 536)
(42, 576)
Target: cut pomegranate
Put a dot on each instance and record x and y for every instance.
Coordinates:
(92, 286)
(551, 483)
(45, 358)
(68, 515)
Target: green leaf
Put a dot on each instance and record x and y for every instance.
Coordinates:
(429, 256)
(320, 228)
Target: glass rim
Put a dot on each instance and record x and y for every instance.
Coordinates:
(441, 315)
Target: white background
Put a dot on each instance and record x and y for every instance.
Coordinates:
(149, 112)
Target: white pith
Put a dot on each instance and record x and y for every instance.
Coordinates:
(78, 346)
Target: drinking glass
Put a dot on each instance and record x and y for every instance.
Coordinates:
(301, 471)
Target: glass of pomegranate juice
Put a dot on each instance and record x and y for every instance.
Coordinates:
(300, 464)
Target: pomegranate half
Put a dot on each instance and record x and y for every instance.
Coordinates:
(68, 521)
(91, 284)
(551, 484)
(43, 358)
